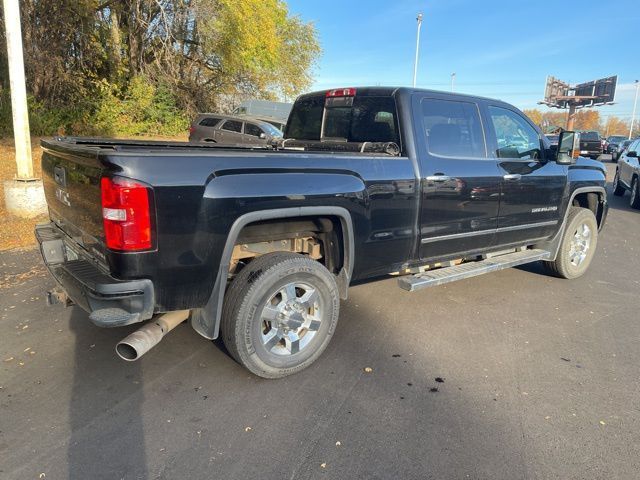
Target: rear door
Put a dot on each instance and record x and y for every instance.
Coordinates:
(204, 131)
(531, 186)
(230, 132)
(460, 181)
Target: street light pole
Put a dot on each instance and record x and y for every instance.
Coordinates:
(633, 115)
(415, 63)
(18, 90)
(453, 78)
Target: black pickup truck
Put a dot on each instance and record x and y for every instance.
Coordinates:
(259, 243)
(590, 144)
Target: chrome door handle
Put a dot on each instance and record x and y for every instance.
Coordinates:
(512, 177)
(438, 178)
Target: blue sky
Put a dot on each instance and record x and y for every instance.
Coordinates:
(497, 48)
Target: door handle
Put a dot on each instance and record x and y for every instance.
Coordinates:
(438, 178)
(512, 177)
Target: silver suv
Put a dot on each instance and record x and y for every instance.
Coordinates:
(230, 130)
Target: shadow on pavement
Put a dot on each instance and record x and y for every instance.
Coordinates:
(107, 437)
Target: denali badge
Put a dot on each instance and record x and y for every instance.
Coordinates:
(544, 209)
(63, 196)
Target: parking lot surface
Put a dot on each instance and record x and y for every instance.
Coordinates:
(511, 375)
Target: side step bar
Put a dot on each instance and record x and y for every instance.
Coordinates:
(439, 276)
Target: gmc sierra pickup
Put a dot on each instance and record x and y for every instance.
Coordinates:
(259, 243)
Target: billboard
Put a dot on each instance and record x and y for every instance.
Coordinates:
(555, 88)
(560, 94)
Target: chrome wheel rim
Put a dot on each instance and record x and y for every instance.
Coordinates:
(290, 319)
(580, 244)
(634, 192)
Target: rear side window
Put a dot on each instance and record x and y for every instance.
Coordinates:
(516, 138)
(232, 126)
(253, 130)
(209, 122)
(453, 128)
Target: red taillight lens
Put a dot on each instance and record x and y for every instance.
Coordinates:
(126, 214)
(341, 92)
(192, 129)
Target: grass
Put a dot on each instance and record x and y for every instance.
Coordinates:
(17, 232)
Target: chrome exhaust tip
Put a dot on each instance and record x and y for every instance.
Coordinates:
(134, 346)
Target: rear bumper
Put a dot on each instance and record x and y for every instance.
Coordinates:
(110, 302)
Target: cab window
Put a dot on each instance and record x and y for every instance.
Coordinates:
(515, 137)
(453, 128)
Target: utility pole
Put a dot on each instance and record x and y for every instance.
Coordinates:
(453, 78)
(633, 115)
(24, 195)
(415, 63)
(571, 117)
(18, 90)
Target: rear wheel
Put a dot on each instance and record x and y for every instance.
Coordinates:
(578, 245)
(618, 190)
(280, 313)
(634, 201)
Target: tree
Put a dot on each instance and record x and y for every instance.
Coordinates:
(199, 52)
(587, 119)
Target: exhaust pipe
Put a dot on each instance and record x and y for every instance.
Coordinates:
(149, 335)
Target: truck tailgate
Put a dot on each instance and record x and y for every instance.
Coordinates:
(71, 178)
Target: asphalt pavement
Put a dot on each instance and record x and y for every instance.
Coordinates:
(511, 375)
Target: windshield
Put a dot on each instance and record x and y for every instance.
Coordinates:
(616, 139)
(270, 129)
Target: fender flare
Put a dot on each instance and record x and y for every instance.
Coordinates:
(206, 320)
(553, 245)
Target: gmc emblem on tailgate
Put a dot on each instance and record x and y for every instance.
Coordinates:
(63, 196)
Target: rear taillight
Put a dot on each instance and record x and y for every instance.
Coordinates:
(126, 214)
(341, 92)
(192, 129)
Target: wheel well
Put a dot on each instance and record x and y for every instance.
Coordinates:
(320, 238)
(594, 201)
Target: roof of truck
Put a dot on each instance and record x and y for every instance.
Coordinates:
(390, 91)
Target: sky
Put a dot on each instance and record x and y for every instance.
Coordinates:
(497, 48)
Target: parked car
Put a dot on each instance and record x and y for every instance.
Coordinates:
(628, 174)
(590, 144)
(232, 130)
(620, 148)
(612, 142)
(258, 245)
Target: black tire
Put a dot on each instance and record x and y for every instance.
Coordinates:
(634, 201)
(243, 325)
(618, 190)
(566, 264)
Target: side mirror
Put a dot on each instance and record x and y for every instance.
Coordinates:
(263, 135)
(568, 148)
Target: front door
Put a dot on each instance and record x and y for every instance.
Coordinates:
(460, 183)
(532, 185)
